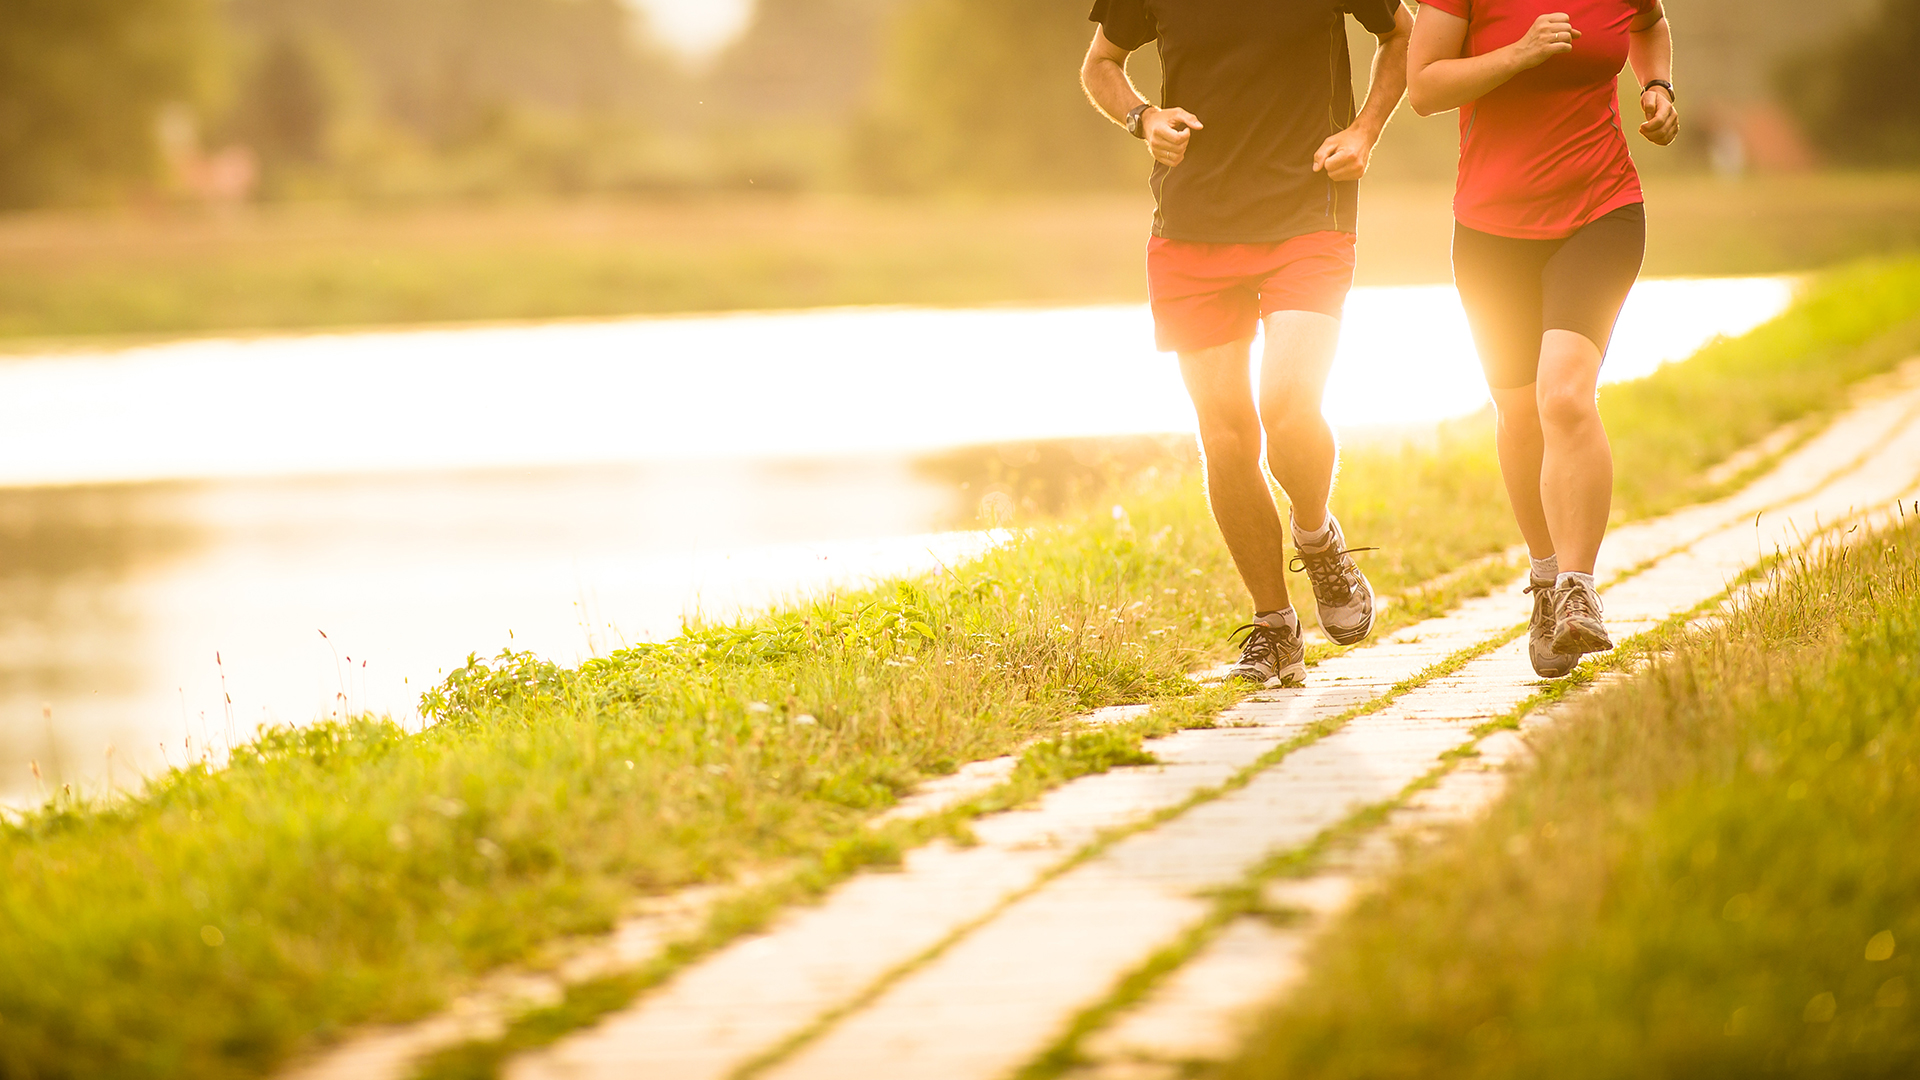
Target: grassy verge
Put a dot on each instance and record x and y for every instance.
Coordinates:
(349, 872)
(1708, 873)
(64, 276)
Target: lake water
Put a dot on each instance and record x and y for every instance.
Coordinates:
(204, 536)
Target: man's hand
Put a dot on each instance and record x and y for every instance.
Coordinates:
(1345, 154)
(1168, 132)
(1663, 120)
(1550, 36)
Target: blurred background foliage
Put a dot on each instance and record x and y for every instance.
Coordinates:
(233, 100)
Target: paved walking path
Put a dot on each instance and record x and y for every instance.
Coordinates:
(969, 962)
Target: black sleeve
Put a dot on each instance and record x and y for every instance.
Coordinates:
(1375, 15)
(1128, 23)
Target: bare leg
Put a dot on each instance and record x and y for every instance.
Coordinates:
(1293, 377)
(1518, 437)
(1576, 471)
(1222, 391)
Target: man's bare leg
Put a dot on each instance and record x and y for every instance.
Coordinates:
(1576, 470)
(1221, 386)
(1300, 447)
(1301, 450)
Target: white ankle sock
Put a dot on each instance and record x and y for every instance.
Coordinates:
(1546, 571)
(1314, 541)
(1284, 616)
(1573, 575)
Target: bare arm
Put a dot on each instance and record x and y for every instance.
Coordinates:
(1440, 78)
(1650, 52)
(1103, 75)
(1346, 154)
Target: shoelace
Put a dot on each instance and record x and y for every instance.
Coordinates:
(1542, 613)
(1263, 641)
(1587, 601)
(1324, 568)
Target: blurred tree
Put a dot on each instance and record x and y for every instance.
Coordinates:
(801, 58)
(286, 107)
(1856, 94)
(82, 85)
(985, 94)
(445, 69)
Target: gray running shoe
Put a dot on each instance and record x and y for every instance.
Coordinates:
(1547, 663)
(1271, 656)
(1576, 621)
(1340, 591)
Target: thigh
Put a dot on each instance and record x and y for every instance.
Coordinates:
(1220, 381)
(1297, 359)
(1586, 282)
(1499, 279)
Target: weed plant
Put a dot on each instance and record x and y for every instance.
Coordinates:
(1709, 873)
(223, 918)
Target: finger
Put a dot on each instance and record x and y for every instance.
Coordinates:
(1187, 118)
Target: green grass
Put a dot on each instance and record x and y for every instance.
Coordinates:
(1709, 872)
(90, 277)
(225, 918)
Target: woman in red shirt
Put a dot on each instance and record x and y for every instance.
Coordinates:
(1548, 236)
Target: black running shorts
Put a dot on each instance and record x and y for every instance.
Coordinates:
(1516, 290)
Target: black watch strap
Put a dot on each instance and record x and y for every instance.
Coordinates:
(1134, 118)
(1662, 84)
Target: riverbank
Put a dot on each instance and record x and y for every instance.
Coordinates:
(66, 278)
(353, 871)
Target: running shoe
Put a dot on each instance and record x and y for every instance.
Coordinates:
(1547, 663)
(1340, 591)
(1576, 621)
(1271, 656)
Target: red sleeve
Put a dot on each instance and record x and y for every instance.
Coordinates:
(1646, 7)
(1460, 9)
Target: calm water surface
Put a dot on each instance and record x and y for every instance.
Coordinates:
(204, 536)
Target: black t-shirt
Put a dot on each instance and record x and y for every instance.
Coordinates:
(1270, 81)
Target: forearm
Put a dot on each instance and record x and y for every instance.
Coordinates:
(1650, 51)
(1448, 84)
(1107, 86)
(1387, 85)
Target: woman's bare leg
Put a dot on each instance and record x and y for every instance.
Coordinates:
(1521, 444)
(1576, 469)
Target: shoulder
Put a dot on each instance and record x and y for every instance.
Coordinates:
(1375, 15)
(1459, 9)
(1127, 23)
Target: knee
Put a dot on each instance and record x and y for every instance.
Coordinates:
(1565, 410)
(1288, 419)
(1518, 425)
(1230, 442)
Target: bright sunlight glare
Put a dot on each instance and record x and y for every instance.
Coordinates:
(696, 27)
(803, 385)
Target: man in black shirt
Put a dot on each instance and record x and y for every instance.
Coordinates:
(1258, 153)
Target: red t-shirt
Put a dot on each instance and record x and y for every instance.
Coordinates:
(1544, 154)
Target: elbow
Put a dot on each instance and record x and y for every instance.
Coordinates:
(1422, 101)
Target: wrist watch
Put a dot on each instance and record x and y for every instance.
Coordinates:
(1662, 84)
(1135, 119)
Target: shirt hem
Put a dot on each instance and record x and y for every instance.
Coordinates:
(1520, 232)
(1256, 238)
